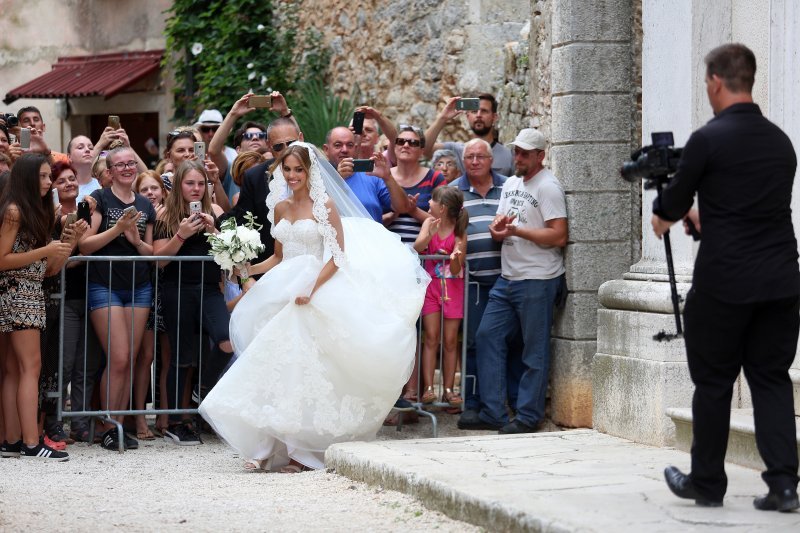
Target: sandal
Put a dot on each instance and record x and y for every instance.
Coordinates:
(254, 465)
(411, 396)
(451, 398)
(429, 396)
(292, 468)
(145, 435)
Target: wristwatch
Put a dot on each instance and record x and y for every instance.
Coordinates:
(289, 114)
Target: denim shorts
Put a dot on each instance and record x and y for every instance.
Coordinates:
(100, 296)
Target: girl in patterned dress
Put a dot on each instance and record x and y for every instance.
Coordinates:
(27, 254)
(443, 234)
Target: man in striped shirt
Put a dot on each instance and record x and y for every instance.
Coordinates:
(481, 188)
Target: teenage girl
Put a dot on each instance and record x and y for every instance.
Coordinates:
(443, 234)
(27, 254)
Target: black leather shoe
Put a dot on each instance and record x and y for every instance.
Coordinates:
(516, 427)
(471, 420)
(783, 501)
(681, 486)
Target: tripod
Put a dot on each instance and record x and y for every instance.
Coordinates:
(673, 284)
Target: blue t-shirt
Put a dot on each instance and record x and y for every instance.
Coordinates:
(372, 192)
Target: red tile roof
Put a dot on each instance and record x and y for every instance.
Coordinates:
(97, 75)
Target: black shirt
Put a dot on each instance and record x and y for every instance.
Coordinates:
(253, 198)
(742, 167)
(191, 272)
(123, 273)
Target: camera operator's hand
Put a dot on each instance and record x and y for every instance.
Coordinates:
(692, 218)
(660, 226)
(241, 107)
(279, 104)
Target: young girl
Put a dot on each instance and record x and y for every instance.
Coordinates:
(27, 217)
(444, 234)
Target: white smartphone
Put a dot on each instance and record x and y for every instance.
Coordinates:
(24, 138)
(200, 150)
(195, 207)
(54, 192)
(128, 211)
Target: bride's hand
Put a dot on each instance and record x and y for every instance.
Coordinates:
(302, 300)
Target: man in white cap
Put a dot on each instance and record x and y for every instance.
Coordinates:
(531, 221)
(207, 124)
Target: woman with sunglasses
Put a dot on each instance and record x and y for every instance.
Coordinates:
(120, 293)
(417, 181)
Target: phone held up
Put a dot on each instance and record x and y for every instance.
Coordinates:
(24, 138)
(363, 165)
(358, 122)
(113, 122)
(200, 150)
(468, 104)
(194, 208)
(84, 212)
(260, 101)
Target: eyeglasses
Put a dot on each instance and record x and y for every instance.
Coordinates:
(446, 164)
(475, 157)
(206, 129)
(253, 135)
(123, 166)
(280, 146)
(411, 142)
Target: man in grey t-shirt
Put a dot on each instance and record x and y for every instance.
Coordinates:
(481, 122)
(531, 221)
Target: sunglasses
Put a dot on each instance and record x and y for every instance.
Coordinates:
(280, 146)
(252, 135)
(206, 129)
(174, 134)
(411, 142)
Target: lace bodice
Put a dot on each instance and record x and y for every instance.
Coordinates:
(300, 237)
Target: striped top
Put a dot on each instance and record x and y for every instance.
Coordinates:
(483, 252)
(407, 226)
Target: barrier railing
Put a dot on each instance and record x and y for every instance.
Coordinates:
(91, 375)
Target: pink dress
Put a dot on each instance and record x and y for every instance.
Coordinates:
(444, 288)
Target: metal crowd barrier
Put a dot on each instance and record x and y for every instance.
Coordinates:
(107, 414)
(418, 406)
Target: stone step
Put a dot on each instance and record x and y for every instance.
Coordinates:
(742, 448)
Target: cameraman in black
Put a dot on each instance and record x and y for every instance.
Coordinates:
(743, 308)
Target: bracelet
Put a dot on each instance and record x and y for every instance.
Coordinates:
(289, 114)
(178, 235)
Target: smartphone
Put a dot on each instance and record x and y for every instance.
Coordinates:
(363, 165)
(84, 212)
(54, 192)
(200, 150)
(113, 121)
(128, 211)
(264, 101)
(195, 207)
(24, 138)
(358, 122)
(468, 104)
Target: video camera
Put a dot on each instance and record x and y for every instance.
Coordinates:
(10, 119)
(655, 162)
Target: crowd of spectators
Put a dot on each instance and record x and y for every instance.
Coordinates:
(129, 320)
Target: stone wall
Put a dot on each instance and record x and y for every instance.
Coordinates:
(407, 58)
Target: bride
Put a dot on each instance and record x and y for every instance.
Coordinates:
(325, 339)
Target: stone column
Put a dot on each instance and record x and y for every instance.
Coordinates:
(592, 110)
(636, 378)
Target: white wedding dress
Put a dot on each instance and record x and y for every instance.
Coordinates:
(313, 375)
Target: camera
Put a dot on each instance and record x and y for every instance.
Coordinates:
(10, 119)
(657, 161)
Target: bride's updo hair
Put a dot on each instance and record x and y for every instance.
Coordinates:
(301, 153)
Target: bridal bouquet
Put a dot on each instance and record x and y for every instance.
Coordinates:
(235, 245)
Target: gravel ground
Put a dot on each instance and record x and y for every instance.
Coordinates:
(161, 486)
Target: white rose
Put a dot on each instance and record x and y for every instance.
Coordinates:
(238, 257)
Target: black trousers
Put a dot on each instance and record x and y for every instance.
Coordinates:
(721, 338)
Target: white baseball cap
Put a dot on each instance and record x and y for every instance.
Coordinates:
(209, 116)
(529, 139)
